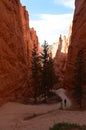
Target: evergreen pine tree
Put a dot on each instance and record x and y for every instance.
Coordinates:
(47, 71)
(51, 73)
(36, 73)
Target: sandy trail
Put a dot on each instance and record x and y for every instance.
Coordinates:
(62, 93)
(48, 120)
(12, 115)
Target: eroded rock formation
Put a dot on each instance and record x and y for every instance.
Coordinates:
(16, 42)
(78, 40)
(60, 52)
(60, 60)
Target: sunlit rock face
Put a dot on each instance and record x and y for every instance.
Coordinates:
(16, 43)
(60, 58)
(29, 34)
(78, 40)
(62, 44)
(30, 38)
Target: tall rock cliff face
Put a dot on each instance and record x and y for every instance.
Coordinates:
(30, 38)
(61, 59)
(78, 40)
(16, 43)
(29, 34)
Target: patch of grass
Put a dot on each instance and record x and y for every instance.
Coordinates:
(67, 126)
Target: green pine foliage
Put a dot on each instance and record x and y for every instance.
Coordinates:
(47, 70)
(42, 72)
(44, 59)
(51, 73)
(36, 73)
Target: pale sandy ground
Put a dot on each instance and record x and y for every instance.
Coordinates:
(62, 93)
(12, 116)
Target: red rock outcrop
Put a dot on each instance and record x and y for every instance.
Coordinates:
(60, 60)
(78, 40)
(16, 42)
(29, 34)
(30, 38)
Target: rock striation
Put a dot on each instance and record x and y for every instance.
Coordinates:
(59, 53)
(78, 41)
(16, 43)
(60, 59)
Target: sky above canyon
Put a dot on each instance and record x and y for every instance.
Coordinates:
(50, 18)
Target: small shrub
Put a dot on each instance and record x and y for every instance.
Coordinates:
(67, 126)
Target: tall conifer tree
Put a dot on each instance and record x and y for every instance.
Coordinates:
(36, 73)
(47, 70)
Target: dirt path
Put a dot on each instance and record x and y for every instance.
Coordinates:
(62, 93)
(48, 120)
(13, 115)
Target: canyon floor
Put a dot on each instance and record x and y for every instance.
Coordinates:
(15, 116)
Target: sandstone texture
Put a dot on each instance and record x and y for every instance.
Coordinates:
(78, 40)
(60, 60)
(16, 43)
